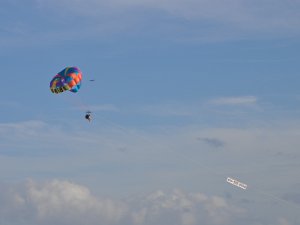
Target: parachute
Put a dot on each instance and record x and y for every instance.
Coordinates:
(69, 79)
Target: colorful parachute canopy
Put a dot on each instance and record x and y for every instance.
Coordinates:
(68, 79)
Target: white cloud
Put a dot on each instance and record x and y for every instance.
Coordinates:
(241, 100)
(237, 14)
(105, 107)
(191, 20)
(10, 105)
(41, 134)
(167, 109)
(22, 130)
(64, 202)
(179, 207)
(72, 202)
(67, 203)
(59, 202)
(283, 221)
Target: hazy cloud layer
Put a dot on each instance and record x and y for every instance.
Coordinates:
(276, 15)
(179, 153)
(241, 100)
(65, 203)
(192, 20)
(244, 14)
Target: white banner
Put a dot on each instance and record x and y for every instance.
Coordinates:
(237, 183)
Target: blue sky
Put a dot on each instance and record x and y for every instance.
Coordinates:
(186, 93)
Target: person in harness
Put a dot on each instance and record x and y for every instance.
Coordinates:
(88, 116)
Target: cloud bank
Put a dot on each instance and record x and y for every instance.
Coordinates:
(57, 202)
(67, 203)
